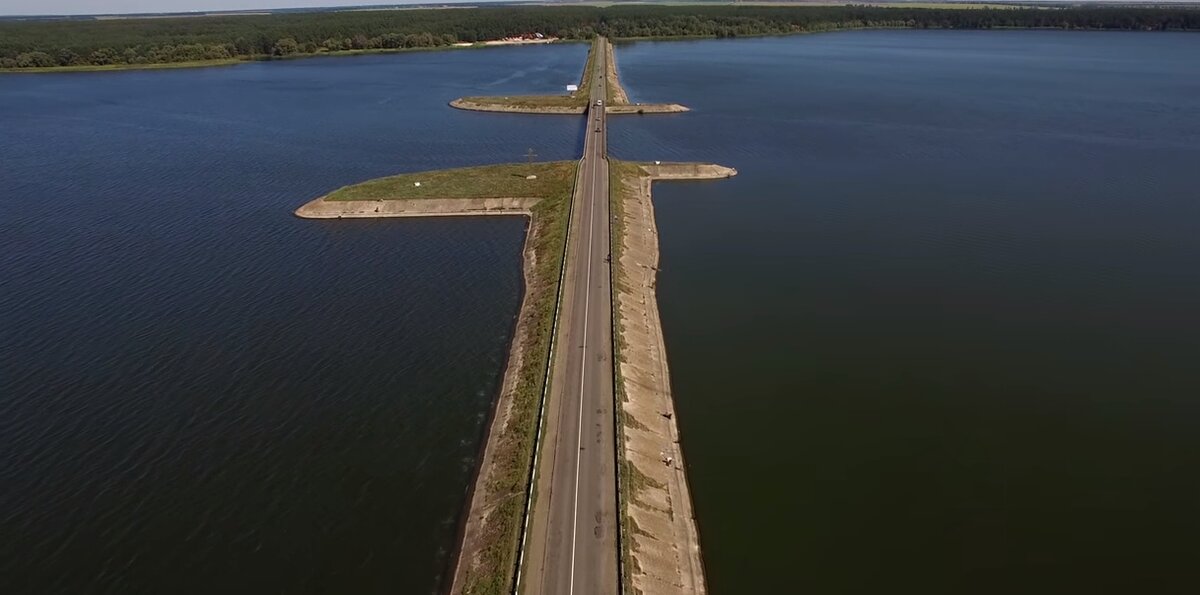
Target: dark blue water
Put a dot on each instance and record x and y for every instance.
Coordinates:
(940, 335)
(199, 392)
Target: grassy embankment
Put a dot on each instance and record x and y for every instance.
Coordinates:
(577, 100)
(507, 479)
(484, 181)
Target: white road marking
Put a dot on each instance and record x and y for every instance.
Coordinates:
(587, 295)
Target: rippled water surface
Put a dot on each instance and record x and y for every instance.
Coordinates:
(940, 335)
(200, 393)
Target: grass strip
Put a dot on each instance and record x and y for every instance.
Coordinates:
(508, 480)
(509, 180)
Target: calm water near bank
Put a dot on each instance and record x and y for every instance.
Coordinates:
(200, 393)
(940, 334)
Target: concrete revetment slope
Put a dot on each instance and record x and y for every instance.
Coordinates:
(499, 105)
(661, 540)
(414, 207)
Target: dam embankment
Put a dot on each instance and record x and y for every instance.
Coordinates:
(661, 542)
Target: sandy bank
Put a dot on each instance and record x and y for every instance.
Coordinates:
(684, 171)
(498, 42)
(661, 536)
(646, 108)
(414, 207)
(519, 41)
(515, 109)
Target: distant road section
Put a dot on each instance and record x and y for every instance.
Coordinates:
(572, 542)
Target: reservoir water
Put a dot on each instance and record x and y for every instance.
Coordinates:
(199, 392)
(940, 335)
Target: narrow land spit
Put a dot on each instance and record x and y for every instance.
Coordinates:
(617, 100)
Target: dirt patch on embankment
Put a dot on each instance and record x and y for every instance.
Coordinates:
(660, 538)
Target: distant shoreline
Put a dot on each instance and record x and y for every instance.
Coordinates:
(124, 43)
(265, 58)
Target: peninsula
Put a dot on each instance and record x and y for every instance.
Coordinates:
(541, 192)
(616, 100)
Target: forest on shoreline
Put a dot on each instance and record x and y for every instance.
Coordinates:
(76, 43)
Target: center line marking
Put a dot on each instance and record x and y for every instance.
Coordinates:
(583, 367)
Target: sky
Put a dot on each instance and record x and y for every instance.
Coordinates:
(54, 7)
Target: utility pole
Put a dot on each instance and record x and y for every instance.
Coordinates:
(529, 155)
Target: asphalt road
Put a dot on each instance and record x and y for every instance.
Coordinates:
(573, 531)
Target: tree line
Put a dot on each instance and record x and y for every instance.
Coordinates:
(75, 42)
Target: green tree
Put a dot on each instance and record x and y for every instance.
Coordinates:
(104, 56)
(285, 47)
(27, 43)
(67, 57)
(35, 60)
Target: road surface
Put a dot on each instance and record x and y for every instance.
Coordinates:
(572, 545)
